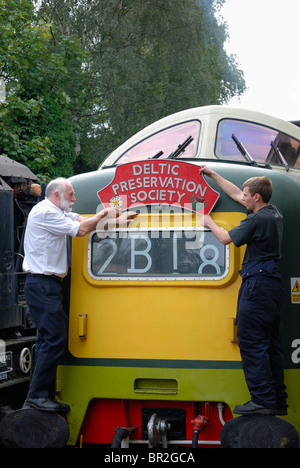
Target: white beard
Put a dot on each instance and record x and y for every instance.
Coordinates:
(65, 205)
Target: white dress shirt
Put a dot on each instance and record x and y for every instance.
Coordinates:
(45, 240)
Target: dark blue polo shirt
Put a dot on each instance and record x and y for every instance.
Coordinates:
(262, 232)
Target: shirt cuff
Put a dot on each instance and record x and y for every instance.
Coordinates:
(75, 229)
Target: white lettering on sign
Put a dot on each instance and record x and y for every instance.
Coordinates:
(163, 168)
(159, 183)
(166, 183)
(171, 189)
(296, 353)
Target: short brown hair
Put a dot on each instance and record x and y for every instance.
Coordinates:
(262, 185)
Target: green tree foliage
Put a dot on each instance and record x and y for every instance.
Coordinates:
(35, 125)
(95, 72)
(145, 60)
(19, 44)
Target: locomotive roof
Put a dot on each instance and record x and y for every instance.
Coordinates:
(210, 117)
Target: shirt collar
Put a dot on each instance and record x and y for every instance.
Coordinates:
(50, 203)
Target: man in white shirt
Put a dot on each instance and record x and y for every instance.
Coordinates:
(45, 246)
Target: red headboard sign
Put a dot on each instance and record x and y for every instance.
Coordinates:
(159, 182)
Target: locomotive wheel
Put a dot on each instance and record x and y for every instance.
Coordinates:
(29, 428)
(25, 360)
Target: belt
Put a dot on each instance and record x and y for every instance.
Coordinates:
(57, 278)
(261, 268)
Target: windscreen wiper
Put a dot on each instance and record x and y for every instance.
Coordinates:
(280, 156)
(157, 155)
(181, 148)
(242, 149)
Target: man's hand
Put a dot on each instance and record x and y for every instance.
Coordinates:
(228, 187)
(126, 217)
(113, 218)
(206, 170)
(109, 217)
(219, 232)
(110, 213)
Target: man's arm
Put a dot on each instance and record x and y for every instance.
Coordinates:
(222, 235)
(228, 187)
(106, 218)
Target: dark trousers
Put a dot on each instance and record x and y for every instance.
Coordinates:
(258, 322)
(44, 298)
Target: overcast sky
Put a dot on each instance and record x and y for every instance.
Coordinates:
(264, 35)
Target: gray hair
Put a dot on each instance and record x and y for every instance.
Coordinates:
(55, 185)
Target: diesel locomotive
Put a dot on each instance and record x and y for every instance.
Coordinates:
(152, 353)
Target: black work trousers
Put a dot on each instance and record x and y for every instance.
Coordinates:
(258, 322)
(44, 298)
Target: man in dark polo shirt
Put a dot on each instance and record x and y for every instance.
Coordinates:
(261, 292)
